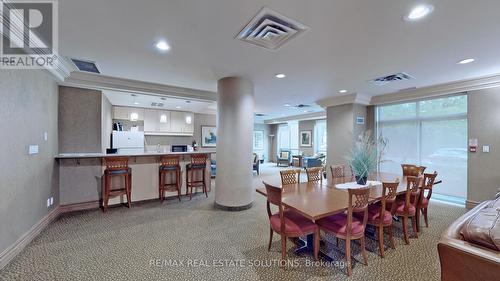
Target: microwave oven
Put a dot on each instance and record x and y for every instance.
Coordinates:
(179, 148)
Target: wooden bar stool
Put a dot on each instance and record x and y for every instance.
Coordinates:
(116, 167)
(198, 164)
(170, 167)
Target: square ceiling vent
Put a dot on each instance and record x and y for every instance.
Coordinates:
(271, 30)
(86, 65)
(401, 76)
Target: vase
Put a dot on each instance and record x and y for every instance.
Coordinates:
(361, 180)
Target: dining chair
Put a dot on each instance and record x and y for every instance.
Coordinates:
(407, 207)
(290, 176)
(412, 170)
(338, 173)
(348, 226)
(314, 174)
(380, 214)
(288, 223)
(423, 204)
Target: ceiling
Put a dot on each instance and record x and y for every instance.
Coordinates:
(348, 43)
(168, 103)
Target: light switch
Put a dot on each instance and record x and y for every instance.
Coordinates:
(486, 148)
(33, 149)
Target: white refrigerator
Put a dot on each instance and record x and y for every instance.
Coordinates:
(128, 142)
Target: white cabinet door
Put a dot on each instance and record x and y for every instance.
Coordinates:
(120, 113)
(188, 123)
(151, 122)
(164, 121)
(176, 121)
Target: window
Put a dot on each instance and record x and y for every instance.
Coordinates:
(283, 137)
(431, 133)
(320, 137)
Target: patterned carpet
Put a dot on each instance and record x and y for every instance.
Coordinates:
(191, 240)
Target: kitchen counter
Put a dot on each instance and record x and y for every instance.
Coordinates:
(81, 181)
(145, 153)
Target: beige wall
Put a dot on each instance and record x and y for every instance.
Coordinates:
(307, 125)
(28, 108)
(483, 176)
(80, 120)
(342, 131)
(267, 131)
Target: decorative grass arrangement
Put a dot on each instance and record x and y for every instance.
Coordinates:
(364, 157)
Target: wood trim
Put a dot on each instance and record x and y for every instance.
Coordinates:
(471, 204)
(11, 252)
(79, 207)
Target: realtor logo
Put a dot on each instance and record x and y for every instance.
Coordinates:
(29, 34)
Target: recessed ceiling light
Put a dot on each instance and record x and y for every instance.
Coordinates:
(343, 91)
(286, 105)
(162, 46)
(178, 107)
(466, 61)
(419, 12)
(280, 75)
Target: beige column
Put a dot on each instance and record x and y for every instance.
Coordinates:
(235, 108)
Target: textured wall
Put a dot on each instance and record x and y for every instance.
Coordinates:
(79, 120)
(28, 108)
(484, 124)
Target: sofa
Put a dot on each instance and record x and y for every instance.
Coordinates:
(470, 248)
(313, 161)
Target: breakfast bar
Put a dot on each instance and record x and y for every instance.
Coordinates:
(81, 177)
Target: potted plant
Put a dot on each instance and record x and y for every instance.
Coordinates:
(364, 157)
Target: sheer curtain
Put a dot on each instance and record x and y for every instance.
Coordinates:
(431, 133)
(320, 136)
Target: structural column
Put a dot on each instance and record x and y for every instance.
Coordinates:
(235, 106)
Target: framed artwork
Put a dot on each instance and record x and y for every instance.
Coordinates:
(258, 140)
(208, 136)
(305, 138)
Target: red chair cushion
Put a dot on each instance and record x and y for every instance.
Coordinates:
(294, 223)
(400, 208)
(337, 224)
(374, 215)
(425, 202)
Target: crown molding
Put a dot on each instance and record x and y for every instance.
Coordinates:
(345, 99)
(103, 82)
(302, 117)
(455, 87)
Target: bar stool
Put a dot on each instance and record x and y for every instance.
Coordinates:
(116, 167)
(170, 166)
(198, 164)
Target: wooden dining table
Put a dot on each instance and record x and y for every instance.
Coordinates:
(316, 200)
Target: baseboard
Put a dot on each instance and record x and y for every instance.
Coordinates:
(470, 204)
(79, 207)
(11, 252)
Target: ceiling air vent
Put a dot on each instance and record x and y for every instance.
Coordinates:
(391, 78)
(270, 29)
(157, 104)
(301, 106)
(86, 65)
(259, 115)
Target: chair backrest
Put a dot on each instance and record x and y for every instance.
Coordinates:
(389, 193)
(116, 163)
(358, 203)
(198, 159)
(285, 153)
(413, 187)
(314, 174)
(338, 173)
(412, 170)
(255, 158)
(427, 185)
(290, 176)
(274, 197)
(170, 160)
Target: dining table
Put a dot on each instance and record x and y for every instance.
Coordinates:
(319, 199)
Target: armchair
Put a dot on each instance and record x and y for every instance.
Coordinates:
(256, 163)
(284, 157)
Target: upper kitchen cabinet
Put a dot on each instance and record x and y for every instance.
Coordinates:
(182, 122)
(156, 121)
(128, 113)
